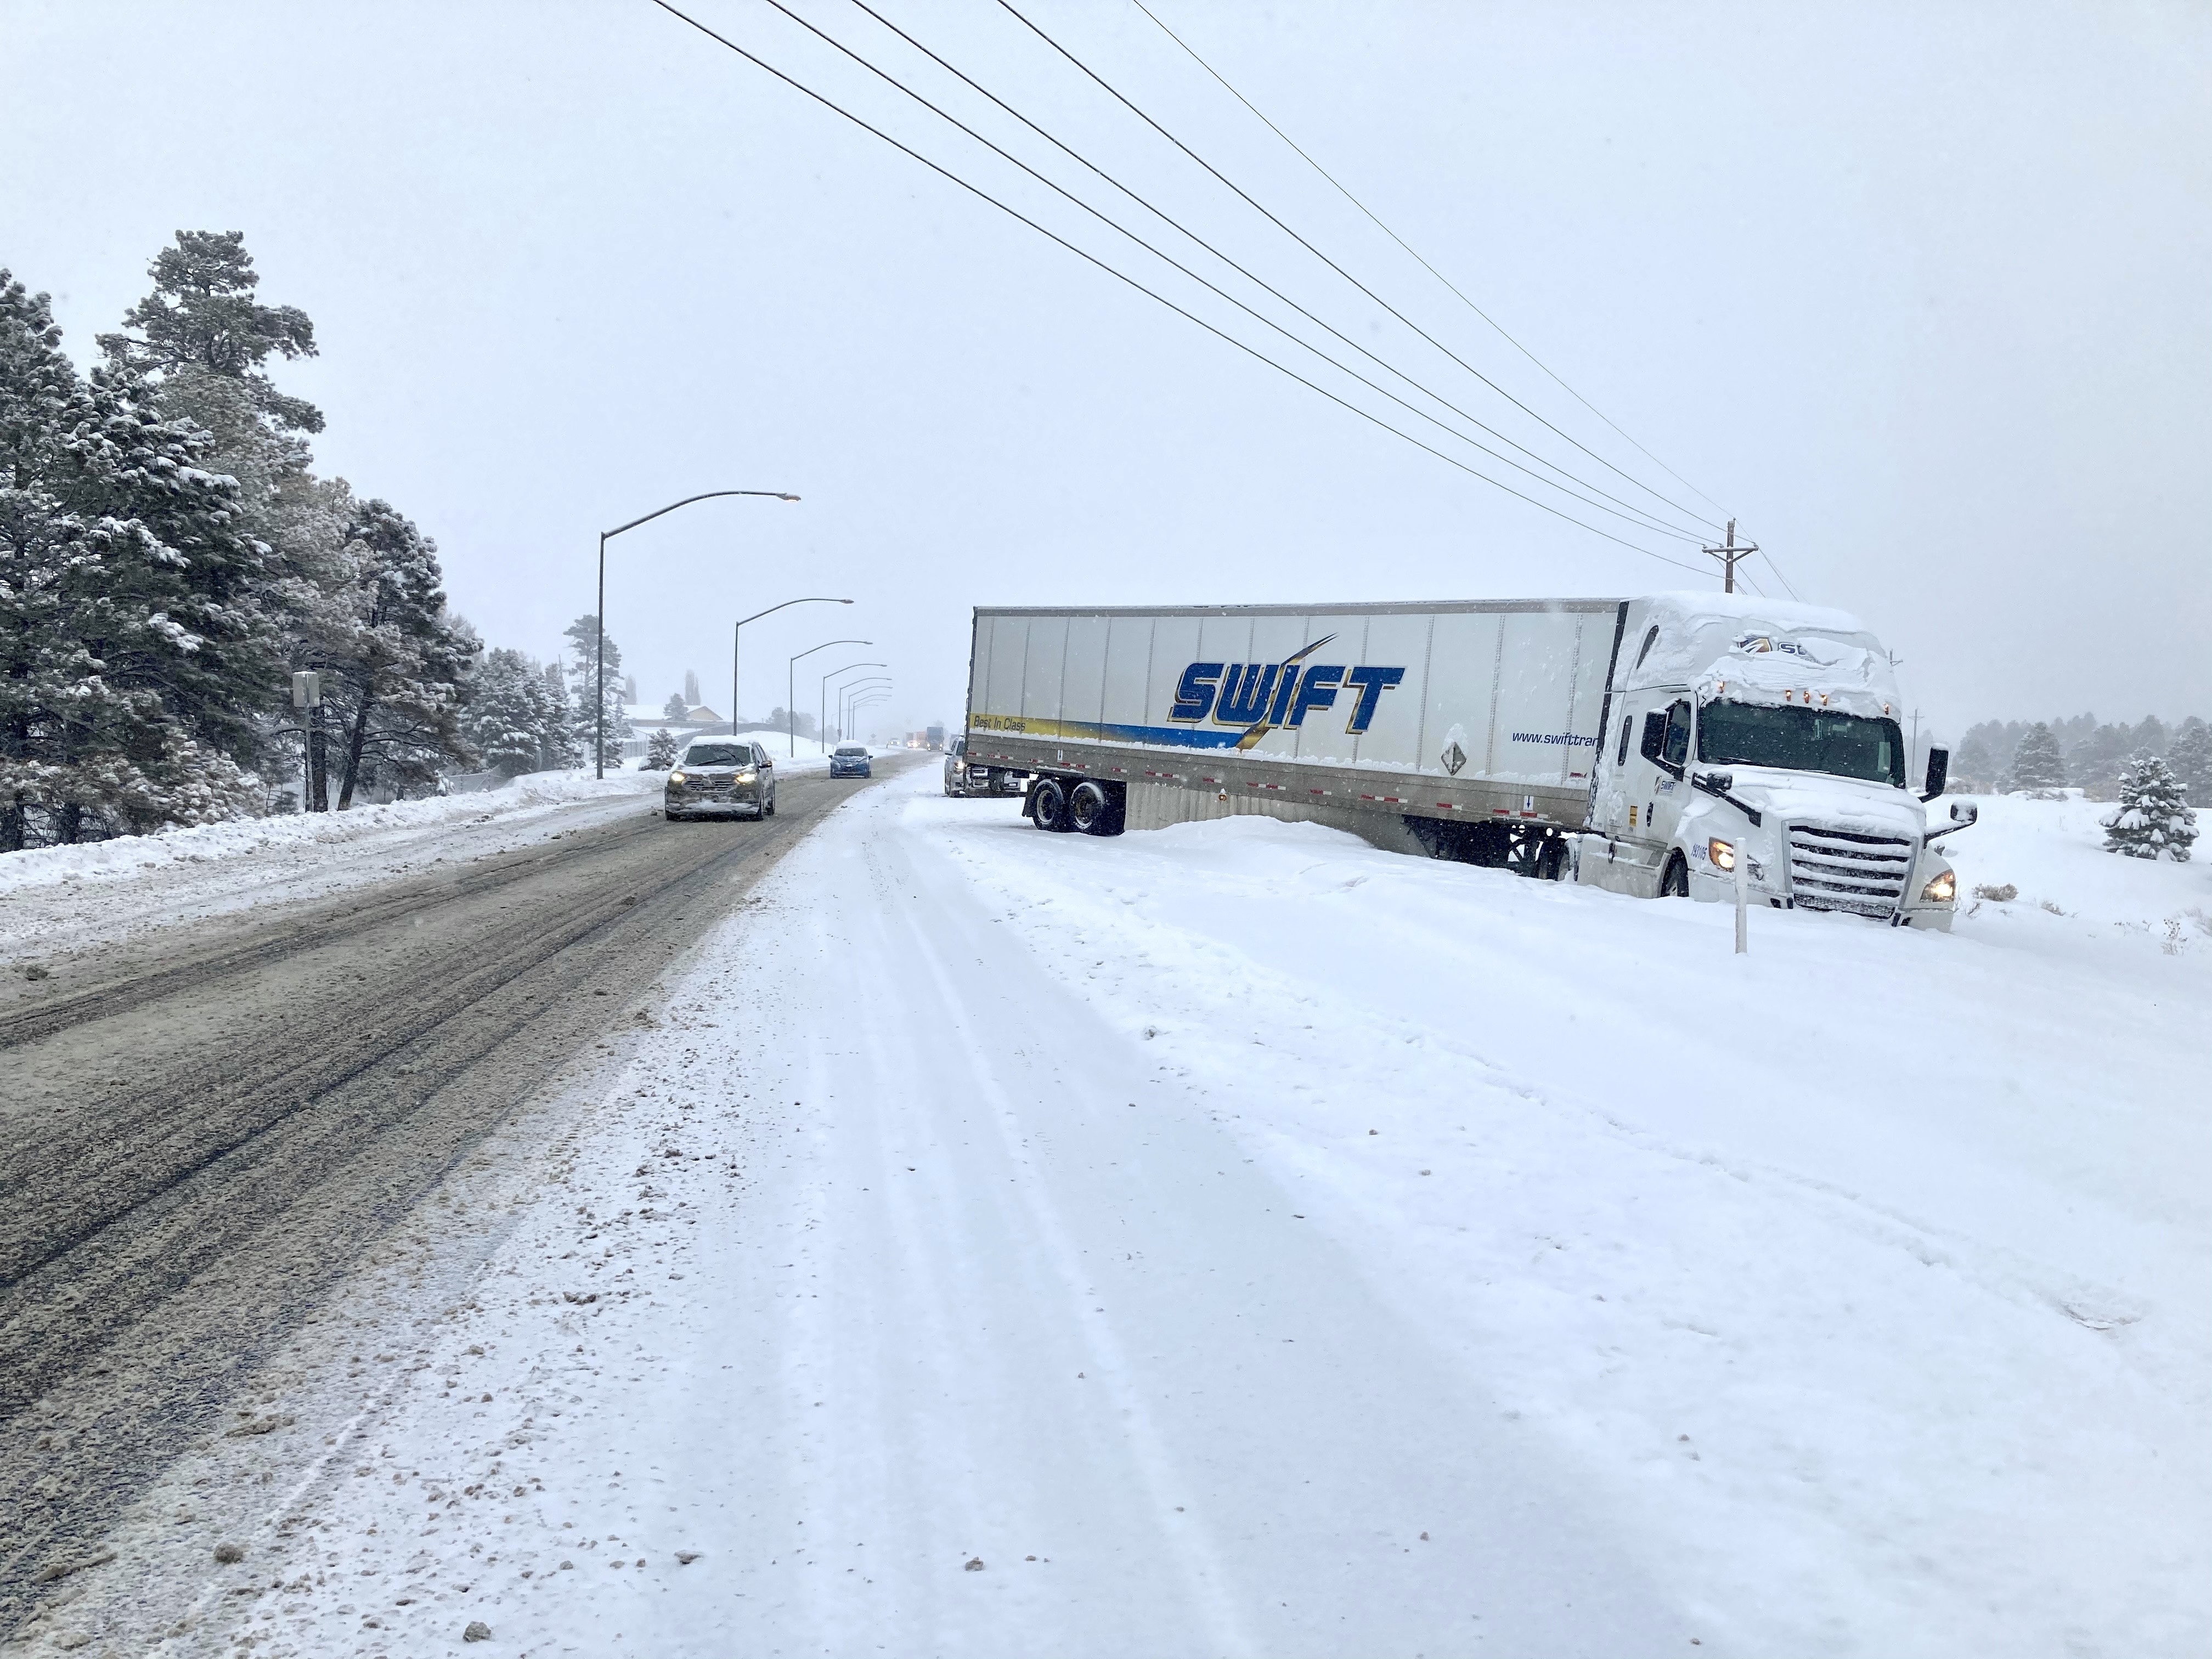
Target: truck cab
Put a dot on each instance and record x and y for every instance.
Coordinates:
(1740, 728)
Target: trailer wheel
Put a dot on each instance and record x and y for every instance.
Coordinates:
(1674, 879)
(1091, 809)
(1048, 806)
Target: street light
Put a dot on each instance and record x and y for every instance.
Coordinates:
(853, 696)
(822, 693)
(847, 694)
(756, 616)
(600, 622)
(853, 693)
(865, 702)
(791, 687)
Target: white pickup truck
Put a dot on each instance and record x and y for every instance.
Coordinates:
(1639, 744)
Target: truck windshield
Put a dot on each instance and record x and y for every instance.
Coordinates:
(1797, 740)
(718, 754)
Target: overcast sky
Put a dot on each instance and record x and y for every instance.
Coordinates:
(1922, 293)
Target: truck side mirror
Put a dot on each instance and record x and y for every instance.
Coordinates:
(1939, 773)
(1964, 813)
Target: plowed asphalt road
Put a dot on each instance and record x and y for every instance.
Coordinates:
(194, 1147)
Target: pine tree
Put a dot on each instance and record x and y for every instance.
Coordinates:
(202, 315)
(1975, 762)
(132, 643)
(512, 718)
(2153, 820)
(2036, 765)
(659, 750)
(676, 709)
(201, 341)
(393, 661)
(2192, 760)
(583, 671)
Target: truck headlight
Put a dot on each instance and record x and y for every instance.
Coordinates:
(1722, 854)
(749, 775)
(1943, 889)
(676, 777)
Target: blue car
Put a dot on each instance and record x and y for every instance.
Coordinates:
(850, 760)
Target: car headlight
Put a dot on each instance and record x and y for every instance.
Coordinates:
(1943, 889)
(750, 774)
(1722, 854)
(676, 777)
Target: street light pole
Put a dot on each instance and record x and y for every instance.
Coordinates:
(599, 618)
(867, 702)
(822, 696)
(853, 695)
(847, 695)
(791, 687)
(756, 616)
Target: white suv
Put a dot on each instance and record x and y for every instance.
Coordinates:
(720, 777)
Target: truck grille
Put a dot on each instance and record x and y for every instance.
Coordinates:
(1844, 870)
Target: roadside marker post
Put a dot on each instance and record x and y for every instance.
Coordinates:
(1742, 896)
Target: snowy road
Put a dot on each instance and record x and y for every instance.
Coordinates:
(888, 1256)
(1006, 1300)
(201, 1130)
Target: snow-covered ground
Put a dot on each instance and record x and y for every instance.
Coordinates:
(1235, 1239)
(53, 897)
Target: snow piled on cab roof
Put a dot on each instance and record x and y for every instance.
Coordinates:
(1760, 648)
(1693, 606)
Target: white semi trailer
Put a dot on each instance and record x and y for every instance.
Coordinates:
(1638, 744)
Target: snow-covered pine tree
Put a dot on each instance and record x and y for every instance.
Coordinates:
(202, 340)
(202, 315)
(2153, 820)
(2192, 760)
(394, 662)
(1974, 763)
(506, 714)
(214, 580)
(583, 679)
(129, 628)
(676, 709)
(659, 750)
(2038, 767)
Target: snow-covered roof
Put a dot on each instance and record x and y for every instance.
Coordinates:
(1749, 649)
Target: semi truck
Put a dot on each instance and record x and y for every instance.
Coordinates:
(1642, 745)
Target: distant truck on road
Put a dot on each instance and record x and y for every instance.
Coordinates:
(1639, 744)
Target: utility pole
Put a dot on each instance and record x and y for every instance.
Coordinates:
(1730, 555)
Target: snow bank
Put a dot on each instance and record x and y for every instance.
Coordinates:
(1864, 1274)
(531, 793)
(2069, 888)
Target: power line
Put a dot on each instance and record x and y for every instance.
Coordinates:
(1788, 586)
(1341, 190)
(1645, 519)
(1690, 512)
(983, 195)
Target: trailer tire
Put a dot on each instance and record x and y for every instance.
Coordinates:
(1674, 879)
(1092, 809)
(1048, 806)
(1552, 861)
